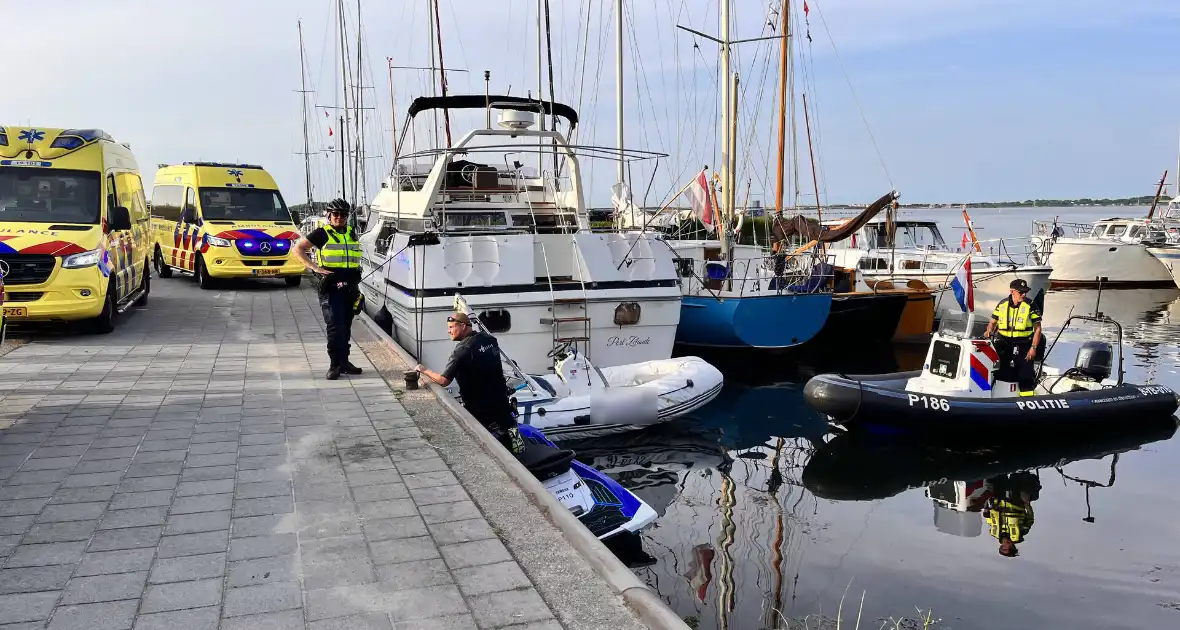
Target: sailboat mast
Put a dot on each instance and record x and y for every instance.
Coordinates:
(303, 98)
(730, 189)
(442, 71)
(359, 163)
(619, 86)
(345, 120)
(725, 106)
(782, 109)
(540, 66)
(392, 108)
(433, 85)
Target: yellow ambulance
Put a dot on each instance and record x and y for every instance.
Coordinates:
(74, 227)
(217, 220)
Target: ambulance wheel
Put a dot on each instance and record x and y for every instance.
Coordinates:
(162, 270)
(105, 322)
(293, 281)
(202, 274)
(146, 285)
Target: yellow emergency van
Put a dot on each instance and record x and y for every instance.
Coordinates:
(74, 227)
(217, 220)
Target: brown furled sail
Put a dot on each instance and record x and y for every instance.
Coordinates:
(811, 230)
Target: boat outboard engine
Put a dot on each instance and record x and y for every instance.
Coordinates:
(1094, 361)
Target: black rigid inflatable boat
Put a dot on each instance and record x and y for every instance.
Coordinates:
(956, 391)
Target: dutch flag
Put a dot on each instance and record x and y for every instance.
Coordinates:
(961, 285)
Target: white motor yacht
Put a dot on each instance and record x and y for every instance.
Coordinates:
(1112, 251)
(500, 216)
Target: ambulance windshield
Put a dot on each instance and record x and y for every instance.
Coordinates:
(243, 204)
(49, 195)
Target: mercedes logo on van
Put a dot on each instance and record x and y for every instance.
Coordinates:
(264, 248)
(3, 269)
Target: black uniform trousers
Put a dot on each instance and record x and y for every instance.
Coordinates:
(337, 304)
(1014, 365)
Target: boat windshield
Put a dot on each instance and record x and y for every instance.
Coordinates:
(243, 204)
(49, 195)
(909, 235)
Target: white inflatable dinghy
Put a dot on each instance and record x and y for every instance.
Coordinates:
(582, 400)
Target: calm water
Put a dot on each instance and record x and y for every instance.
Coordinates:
(756, 529)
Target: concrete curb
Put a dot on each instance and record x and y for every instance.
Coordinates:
(647, 605)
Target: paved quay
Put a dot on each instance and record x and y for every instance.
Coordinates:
(195, 470)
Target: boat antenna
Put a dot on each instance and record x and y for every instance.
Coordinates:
(487, 99)
(442, 73)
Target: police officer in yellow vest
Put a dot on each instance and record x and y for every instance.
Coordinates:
(340, 266)
(1017, 324)
(1009, 510)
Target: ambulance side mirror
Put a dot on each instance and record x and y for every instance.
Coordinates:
(120, 219)
(190, 215)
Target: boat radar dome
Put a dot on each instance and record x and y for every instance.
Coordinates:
(516, 119)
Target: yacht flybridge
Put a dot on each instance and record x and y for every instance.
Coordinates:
(500, 216)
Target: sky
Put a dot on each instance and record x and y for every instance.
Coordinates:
(942, 100)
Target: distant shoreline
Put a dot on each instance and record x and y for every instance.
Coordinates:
(1128, 202)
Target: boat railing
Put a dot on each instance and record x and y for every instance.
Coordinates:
(1052, 229)
(1012, 251)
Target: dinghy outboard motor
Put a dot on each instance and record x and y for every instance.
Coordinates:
(1094, 361)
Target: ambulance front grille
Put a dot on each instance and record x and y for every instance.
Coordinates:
(27, 268)
(23, 296)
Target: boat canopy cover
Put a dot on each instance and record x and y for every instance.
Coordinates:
(811, 230)
(479, 101)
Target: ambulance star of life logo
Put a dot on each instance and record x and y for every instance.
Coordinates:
(236, 172)
(31, 135)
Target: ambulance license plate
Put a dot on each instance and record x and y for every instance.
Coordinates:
(265, 272)
(16, 311)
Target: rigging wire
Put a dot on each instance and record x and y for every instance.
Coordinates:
(855, 98)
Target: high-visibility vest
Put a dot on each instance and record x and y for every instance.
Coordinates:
(1009, 518)
(342, 251)
(1016, 322)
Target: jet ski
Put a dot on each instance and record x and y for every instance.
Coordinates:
(956, 392)
(604, 507)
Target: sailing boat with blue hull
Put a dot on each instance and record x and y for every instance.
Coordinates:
(738, 295)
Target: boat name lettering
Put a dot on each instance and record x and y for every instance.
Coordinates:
(1150, 390)
(930, 402)
(1050, 403)
(629, 342)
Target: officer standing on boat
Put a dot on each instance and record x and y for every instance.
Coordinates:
(475, 364)
(1017, 324)
(340, 266)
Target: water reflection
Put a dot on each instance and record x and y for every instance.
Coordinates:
(765, 519)
(996, 486)
(739, 509)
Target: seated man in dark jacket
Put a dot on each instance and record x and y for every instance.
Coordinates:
(475, 364)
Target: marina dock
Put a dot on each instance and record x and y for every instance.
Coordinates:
(194, 469)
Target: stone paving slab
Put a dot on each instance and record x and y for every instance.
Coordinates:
(195, 470)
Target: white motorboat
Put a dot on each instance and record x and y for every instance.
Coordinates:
(582, 400)
(1114, 251)
(915, 250)
(515, 240)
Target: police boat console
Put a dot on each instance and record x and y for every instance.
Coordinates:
(956, 391)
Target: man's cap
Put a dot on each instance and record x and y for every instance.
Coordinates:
(459, 318)
(1020, 285)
